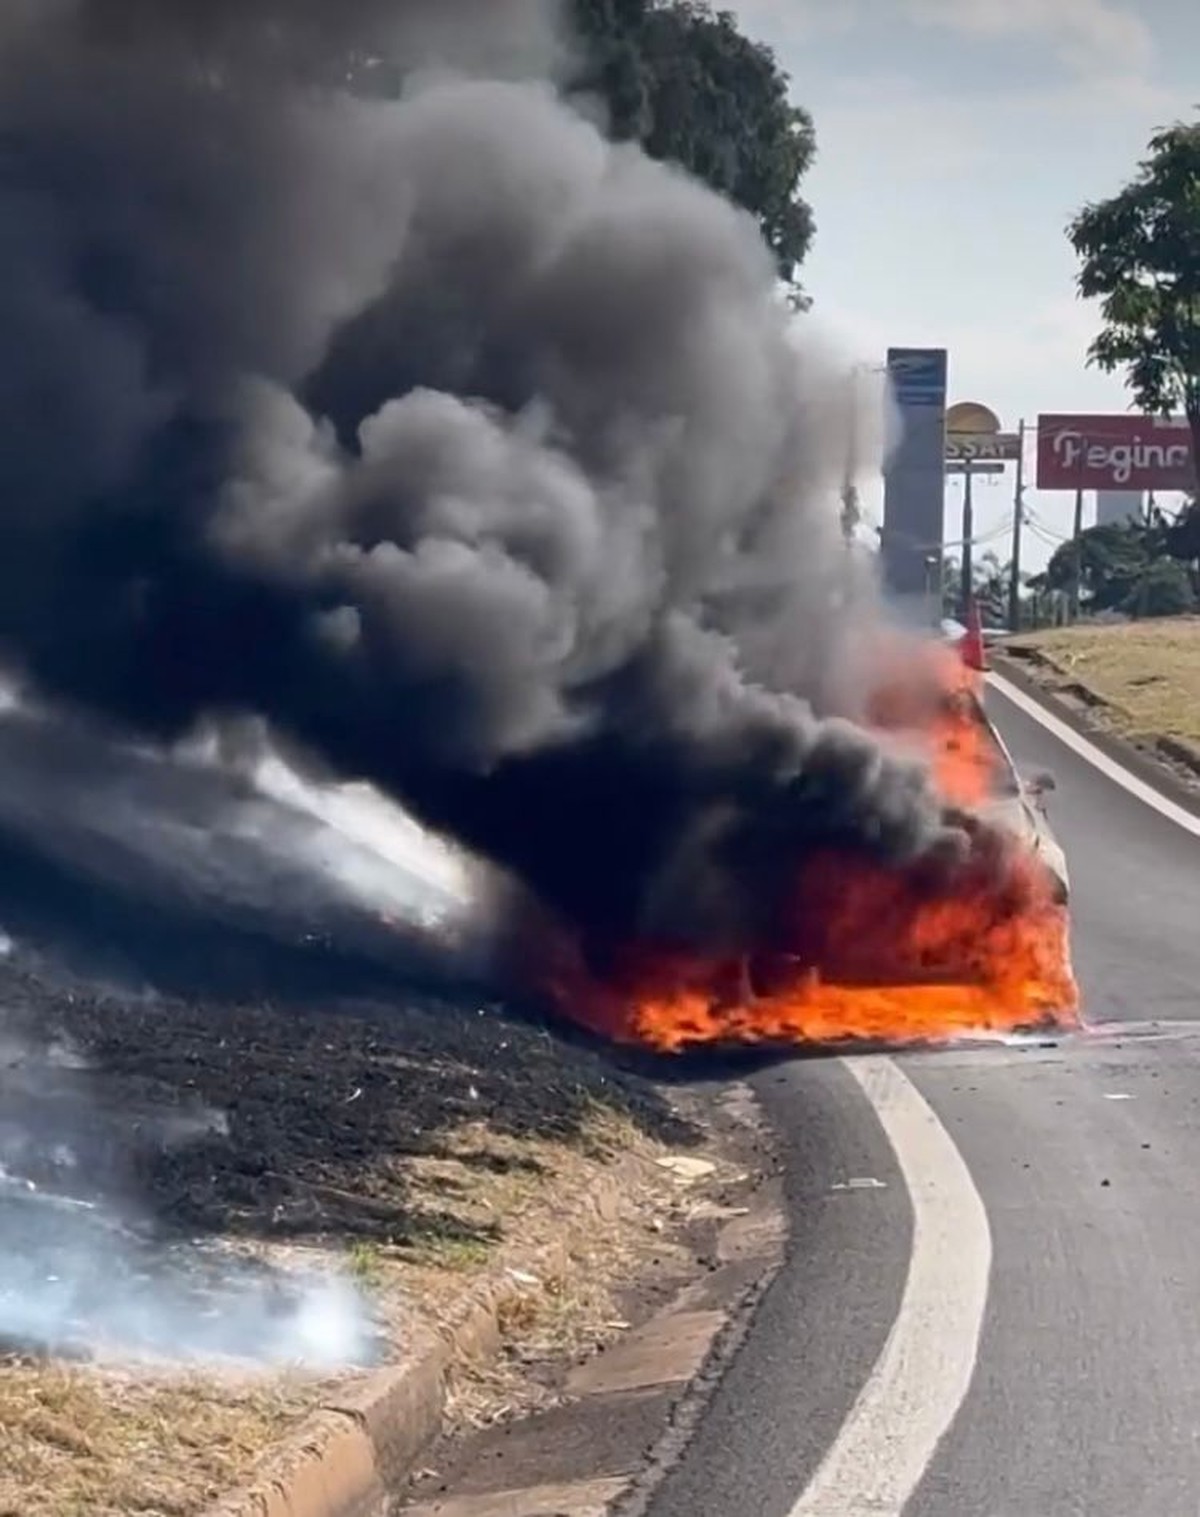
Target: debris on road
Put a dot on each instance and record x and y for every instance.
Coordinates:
(685, 1167)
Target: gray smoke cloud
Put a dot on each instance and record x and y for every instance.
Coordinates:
(353, 379)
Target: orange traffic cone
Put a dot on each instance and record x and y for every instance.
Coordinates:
(970, 645)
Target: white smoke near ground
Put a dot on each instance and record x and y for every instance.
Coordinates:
(182, 1303)
(85, 1271)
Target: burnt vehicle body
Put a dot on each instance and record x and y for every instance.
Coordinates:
(1018, 807)
(1015, 807)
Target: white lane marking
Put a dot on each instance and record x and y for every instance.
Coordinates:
(924, 1371)
(1086, 750)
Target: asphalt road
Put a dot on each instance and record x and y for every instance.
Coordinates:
(991, 1306)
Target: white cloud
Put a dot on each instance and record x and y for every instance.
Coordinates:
(1141, 100)
(941, 136)
(1093, 36)
(792, 19)
(996, 362)
(889, 129)
(1104, 38)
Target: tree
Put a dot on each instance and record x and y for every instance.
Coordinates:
(989, 580)
(1182, 537)
(1129, 567)
(1164, 589)
(1112, 559)
(1140, 256)
(684, 81)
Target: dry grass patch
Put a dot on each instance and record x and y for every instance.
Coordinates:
(79, 1443)
(484, 1188)
(1147, 673)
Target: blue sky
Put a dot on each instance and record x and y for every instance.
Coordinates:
(956, 138)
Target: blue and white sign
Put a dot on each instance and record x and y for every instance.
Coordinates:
(915, 476)
(918, 376)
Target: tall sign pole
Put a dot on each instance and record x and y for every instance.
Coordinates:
(1014, 563)
(851, 510)
(914, 496)
(967, 592)
(975, 444)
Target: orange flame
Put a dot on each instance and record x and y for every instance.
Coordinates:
(932, 697)
(872, 953)
(894, 965)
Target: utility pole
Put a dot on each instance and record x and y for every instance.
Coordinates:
(967, 593)
(934, 609)
(1014, 567)
(851, 513)
(851, 507)
(1077, 555)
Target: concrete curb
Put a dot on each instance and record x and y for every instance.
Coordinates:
(1149, 766)
(350, 1455)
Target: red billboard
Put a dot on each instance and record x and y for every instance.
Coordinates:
(1114, 453)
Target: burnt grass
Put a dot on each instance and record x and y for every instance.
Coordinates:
(264, 1067)
(293, 1122)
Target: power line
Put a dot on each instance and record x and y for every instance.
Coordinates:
(1050, 539)
(1039, 527)
(907, 540)
(1055, 547)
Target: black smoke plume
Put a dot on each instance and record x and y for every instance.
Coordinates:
(351, 378)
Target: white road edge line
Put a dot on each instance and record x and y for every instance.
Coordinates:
(1099, 760)
(924, 1372)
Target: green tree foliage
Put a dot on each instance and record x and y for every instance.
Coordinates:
(1182, 537)
(684, 81)
(1139, 255)
(989, 579)
(1112, 559)
(1164, 589)
(1136, 568)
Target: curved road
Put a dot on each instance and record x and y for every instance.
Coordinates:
(991, 1306)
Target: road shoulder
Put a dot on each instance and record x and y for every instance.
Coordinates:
(548, 1432)
(761, 1427)
(1086, 714)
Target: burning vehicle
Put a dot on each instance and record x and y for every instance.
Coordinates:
(1018, 806)
(872, 952)
(1015, 804)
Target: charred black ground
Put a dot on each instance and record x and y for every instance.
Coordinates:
(401, 408)
(296, 1158)
(208, 1033)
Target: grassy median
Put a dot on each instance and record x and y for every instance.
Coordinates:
(404, 1144)
(1146, 674)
